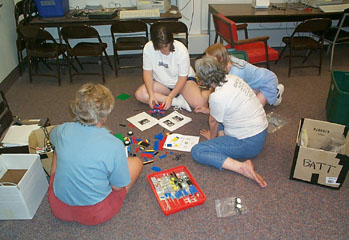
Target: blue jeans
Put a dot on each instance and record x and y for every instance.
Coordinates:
(215, 151)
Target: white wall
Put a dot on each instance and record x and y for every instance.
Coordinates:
(8, 50)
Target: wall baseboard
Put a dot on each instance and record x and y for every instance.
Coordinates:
(6, 84)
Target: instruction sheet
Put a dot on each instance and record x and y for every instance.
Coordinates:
(181, 142)
(174, 121)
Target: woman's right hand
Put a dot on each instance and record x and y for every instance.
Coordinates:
(205, 133)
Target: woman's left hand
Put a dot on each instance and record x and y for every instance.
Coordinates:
(205, 133)
(167, 103)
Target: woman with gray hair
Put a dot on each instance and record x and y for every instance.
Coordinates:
(90, 173)
(237, 121)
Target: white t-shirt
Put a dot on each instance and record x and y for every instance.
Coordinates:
(236, 106)
(167, 68)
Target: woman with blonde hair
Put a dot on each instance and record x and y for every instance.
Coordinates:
(263, 81)
(90, 173)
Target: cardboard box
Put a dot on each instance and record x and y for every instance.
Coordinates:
(322, 153)
(37, 139)
(23, 185)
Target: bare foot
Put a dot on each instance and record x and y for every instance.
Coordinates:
(247, 170)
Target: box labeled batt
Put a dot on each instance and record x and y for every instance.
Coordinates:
(23, 185)
(322, 153)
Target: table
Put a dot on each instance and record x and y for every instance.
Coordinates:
(68, 19)
(245, 13)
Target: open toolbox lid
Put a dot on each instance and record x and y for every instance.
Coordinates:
(175, 190)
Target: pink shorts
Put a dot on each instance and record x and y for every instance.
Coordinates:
(88, 215)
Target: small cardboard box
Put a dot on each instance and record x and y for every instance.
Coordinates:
(37, 139)
(23, 185)
(322, 153)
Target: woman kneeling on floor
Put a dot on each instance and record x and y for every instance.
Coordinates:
(238, 124)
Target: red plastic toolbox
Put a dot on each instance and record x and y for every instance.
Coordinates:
(175, 189)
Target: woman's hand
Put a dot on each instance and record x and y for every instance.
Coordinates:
(152, 101)
(202, 109)
(205, 133)
(167, 103)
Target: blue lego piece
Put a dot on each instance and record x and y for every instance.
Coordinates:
(159, 136)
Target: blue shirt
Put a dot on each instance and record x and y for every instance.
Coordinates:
(254, 76)
(89, 161)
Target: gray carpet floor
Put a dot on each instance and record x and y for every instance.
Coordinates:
(285, 209)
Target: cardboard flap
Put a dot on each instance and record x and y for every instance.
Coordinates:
(3, 167)
(18, 161)
(322, 135)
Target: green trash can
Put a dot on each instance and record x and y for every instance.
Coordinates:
(337, 104)
(238, 54)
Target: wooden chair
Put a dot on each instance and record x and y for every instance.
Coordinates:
(128, 35)
(179, 30)
(337, 35)
(299, 41)
(256, 48)
(94, 48)
(41, 45)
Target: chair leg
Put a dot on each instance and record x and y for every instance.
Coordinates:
(329, 46)
(20, 62)
(36, 65)
(77, 59)
(67, 59)
(290, 63)
(307, 56)
(332, 53)
(102, 68)
(69, 67)
(30, 69)
(107, 57)
(266, 55)
(115, 63)
(321, 53)
(58, 71)
(282, 52)
(46, 64)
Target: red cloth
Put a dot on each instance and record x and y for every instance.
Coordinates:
(88, 215)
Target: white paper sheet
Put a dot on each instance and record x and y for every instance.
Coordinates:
(181, 142)
(143, 121)
(174, 121)
(18, 135)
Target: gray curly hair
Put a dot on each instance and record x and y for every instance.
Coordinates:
(209, 71)
(92, 104)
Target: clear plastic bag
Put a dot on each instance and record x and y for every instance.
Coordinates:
(334, 143)
(275, 122)
(230, 206)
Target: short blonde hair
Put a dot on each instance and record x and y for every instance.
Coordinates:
(218, 51)
(92, 104)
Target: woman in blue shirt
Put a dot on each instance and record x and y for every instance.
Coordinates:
(91, 173)
(263, 81)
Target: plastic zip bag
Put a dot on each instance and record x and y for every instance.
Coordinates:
(230, 206)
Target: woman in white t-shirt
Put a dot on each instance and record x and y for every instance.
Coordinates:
(168, 77)
(238, 124)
